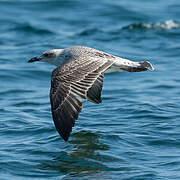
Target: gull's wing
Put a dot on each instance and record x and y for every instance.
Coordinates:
(80, 78)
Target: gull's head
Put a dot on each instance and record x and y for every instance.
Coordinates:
(54, 56)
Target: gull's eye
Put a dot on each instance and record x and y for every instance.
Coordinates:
(46, 54)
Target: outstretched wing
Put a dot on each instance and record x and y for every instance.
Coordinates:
(80, 78)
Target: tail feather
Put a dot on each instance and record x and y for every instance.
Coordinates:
(147, 65)
(121, 64)
(142, 66)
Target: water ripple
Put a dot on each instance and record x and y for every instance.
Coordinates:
(27, 28)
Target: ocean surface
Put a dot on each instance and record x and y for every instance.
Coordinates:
(134, 134)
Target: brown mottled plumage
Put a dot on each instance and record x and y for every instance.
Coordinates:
(80, 75)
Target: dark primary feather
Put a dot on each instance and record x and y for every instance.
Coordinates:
(94, 92)
(71, 81)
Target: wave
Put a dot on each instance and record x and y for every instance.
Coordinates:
(167, 25)
(30, 28)
(102, 33)
(89, 31)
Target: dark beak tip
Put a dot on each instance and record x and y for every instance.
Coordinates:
(33, 60)
(30, 61)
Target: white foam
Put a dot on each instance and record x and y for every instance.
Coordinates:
(167, 25)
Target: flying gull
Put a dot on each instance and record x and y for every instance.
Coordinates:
(80, 75)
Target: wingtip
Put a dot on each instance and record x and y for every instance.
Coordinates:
(64, 136)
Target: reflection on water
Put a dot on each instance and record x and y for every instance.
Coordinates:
(84, 159)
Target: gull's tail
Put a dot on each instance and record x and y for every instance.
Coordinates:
(141, 66)
(121, 64)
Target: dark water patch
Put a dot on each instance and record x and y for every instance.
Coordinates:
(86, 139)
(87, 32)
(27, 28)
(164, 117)
(72, 166)
(141, 176)
(165, 143)
(74, 163)
(15, 91)
(28, 172)
(170, 164)
(28, 104)
(164, 86)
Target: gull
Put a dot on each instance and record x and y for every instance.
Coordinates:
(80, 75)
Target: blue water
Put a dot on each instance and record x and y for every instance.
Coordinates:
(134, 134)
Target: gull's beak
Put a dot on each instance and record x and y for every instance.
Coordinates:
(34, 59)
